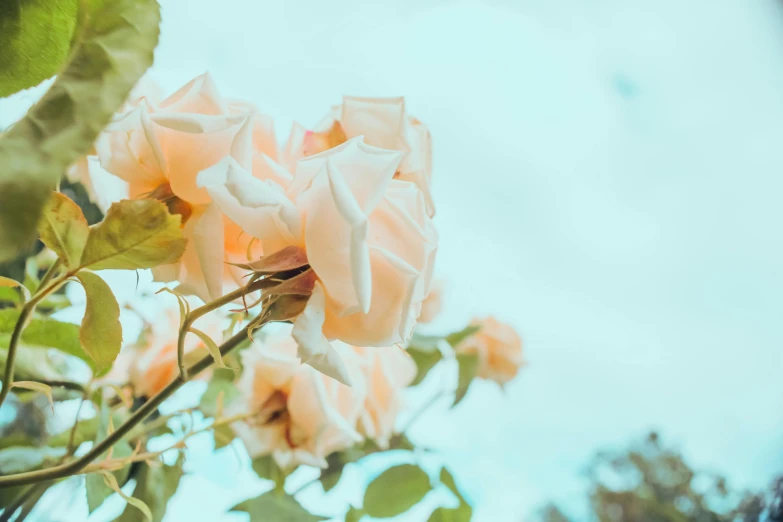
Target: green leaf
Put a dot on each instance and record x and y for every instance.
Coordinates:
(96, 489)
(155, 485)
(468, 364)
(63, 228)
(354, 514)
(425, 360)
(266, 468)
(217, 388)
(45, 332)
(330, 479)
(463, 513)
(447, 479)
(276, 506)
(223, 435)
(35, 36)
(134, 234)
(18, 459)
(111, 481)
(101, 331)
(111, 49)
(396, 490)
(457, 337)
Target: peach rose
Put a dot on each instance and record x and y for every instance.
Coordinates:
(388, 372)
(300, 416)
(159, 149)
(498, 347)
(367, 237)
(432, 304)
(384, 123)
(154, 364)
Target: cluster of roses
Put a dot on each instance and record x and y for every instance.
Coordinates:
(353, 195)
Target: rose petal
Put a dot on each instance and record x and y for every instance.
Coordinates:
(313, 348)
(259, 207)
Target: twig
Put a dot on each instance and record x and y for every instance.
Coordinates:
(76, 465)
(24, 316)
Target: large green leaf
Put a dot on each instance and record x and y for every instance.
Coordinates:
(64, 229)
(101, 331)
(155, 485)
(134, 234)
(35, 36)
(112, 47)
(276, 506)
(396, 490)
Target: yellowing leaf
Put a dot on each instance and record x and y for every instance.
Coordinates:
(101, 331)
(134, 234)
(6, 282)
(35, 36)
(36, 386)
(64, 229)
(111, 48)
(395, 491)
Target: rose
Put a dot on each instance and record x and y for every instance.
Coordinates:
(388, 371)
(296, 414)
(159, 149)
(498, 347)
(384, 123)
(432, 304)
(367, 237)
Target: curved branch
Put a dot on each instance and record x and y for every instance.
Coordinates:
(24, 317)
(139, 415)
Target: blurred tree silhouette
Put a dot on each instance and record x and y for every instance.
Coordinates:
(652, 483)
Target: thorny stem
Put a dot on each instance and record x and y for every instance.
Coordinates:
(76, 465)
(24, 317)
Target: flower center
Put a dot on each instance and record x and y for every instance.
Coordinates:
(165, 195)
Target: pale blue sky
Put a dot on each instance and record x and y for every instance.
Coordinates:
(607, 179)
